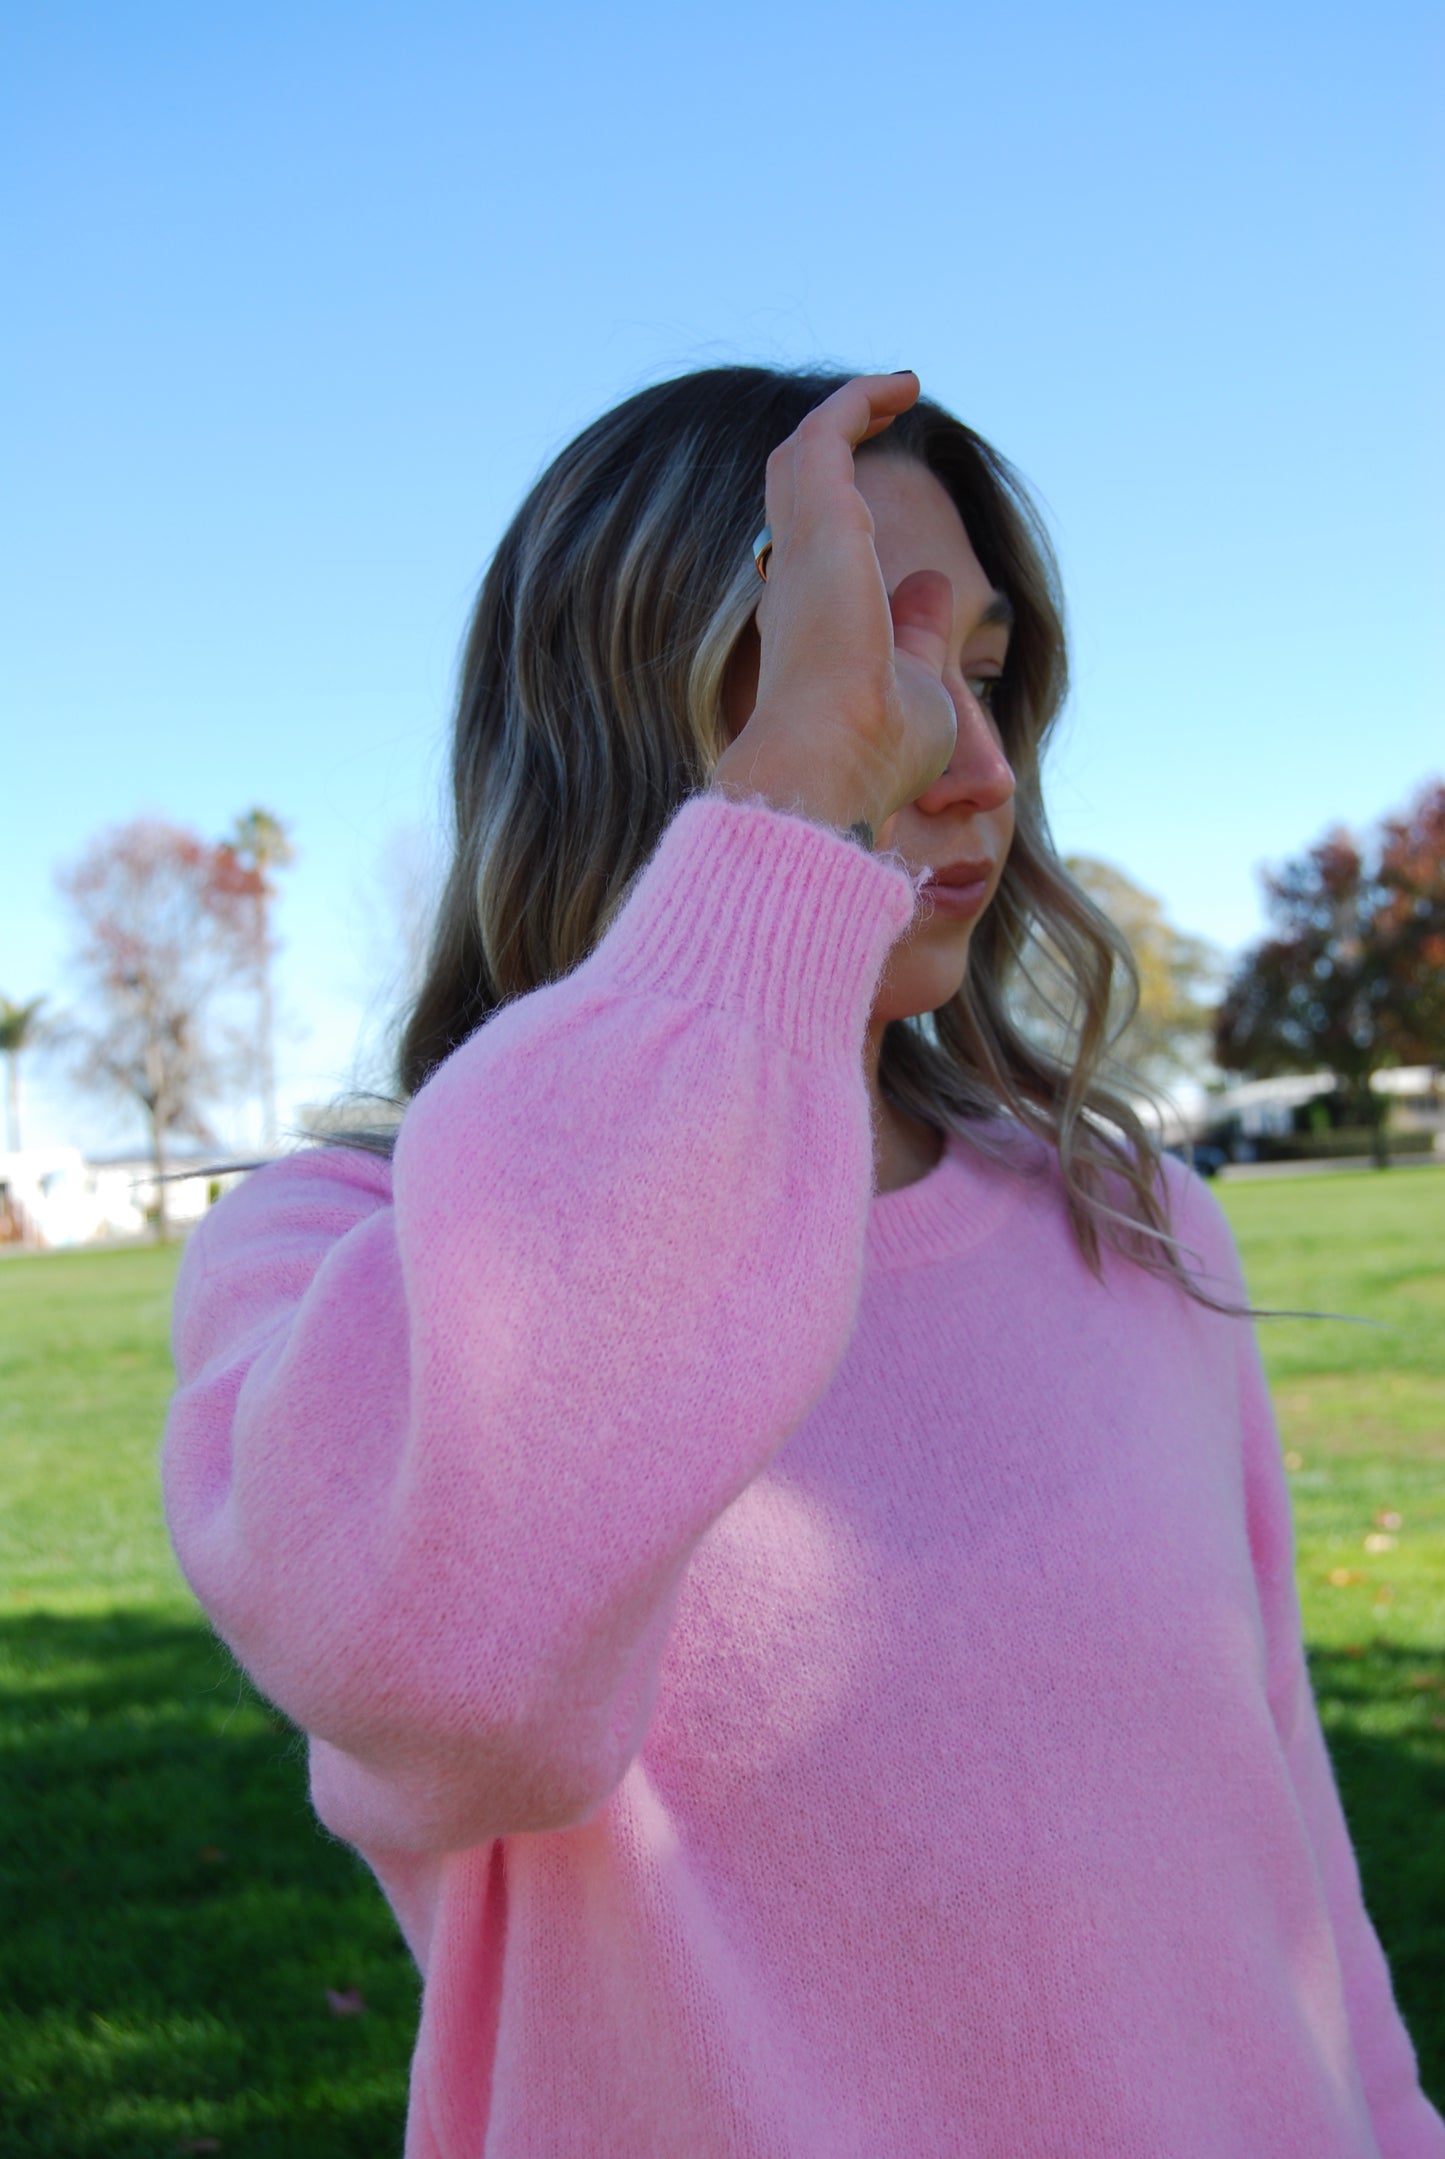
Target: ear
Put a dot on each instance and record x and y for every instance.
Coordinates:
(740, 681)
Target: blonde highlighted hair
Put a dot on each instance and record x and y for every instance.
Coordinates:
(591, 707)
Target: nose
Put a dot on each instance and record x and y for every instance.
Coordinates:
(978, 776)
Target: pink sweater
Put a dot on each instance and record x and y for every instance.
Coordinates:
(817, 1676)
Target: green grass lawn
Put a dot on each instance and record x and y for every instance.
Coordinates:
(1362, 1418)
(179, 1933)
(176, 1923)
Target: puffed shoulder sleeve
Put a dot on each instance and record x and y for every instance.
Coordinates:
(447, 1430)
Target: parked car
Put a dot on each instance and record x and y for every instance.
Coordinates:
(1207, 1159)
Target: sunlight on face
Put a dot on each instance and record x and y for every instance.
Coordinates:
(962, 826)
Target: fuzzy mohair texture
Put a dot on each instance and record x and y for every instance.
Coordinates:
(817, 1675)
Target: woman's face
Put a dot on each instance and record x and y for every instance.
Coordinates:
(962, 826)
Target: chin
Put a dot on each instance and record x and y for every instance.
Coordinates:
(916, 982)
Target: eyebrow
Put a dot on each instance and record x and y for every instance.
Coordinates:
(999, 611)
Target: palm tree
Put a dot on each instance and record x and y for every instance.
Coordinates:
(19, 1026)
(260, 843)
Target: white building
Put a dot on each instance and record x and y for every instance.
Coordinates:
(52, 1196)
(1265, 1109)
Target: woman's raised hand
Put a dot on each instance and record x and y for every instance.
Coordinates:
(852, 719)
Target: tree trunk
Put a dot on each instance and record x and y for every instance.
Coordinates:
(12, 1099)
(1378, 1110)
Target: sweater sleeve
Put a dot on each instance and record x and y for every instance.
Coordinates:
(442, 1444)
(1406, 2125)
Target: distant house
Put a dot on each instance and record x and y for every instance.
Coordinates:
(1305, 1112)
(1417, 1098)
(45, 1197)
(52, 1196)
(1268, 1108)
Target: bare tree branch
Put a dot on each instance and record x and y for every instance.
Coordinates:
(165, 926)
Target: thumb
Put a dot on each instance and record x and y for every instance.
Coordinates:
(923, 617)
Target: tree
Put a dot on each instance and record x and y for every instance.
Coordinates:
(19, 1027)
(165, 926)
(258, 845)
(1178, 980)
(1351, 977)
(1179, 975)
(1412, 927)
(392, 910)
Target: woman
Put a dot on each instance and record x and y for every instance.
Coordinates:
(762, 1499)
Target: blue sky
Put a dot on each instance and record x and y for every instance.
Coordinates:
(306, 295)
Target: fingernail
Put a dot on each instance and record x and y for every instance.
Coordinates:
(903, 371)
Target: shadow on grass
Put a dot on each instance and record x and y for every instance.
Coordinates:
(175, 1916)
(1383, 1712)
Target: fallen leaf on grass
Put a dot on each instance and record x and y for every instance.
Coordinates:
(1294, 1460)
(1424, 1682)
(345, 2002)
(1380, 1540)
(210, 1855)
(1345, 1577)
(1388, 1519)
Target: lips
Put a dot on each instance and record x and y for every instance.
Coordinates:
(961, 873)
(959, 891)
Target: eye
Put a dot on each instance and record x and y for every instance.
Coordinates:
(983, 688)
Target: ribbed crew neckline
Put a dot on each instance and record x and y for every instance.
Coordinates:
(953, 1209)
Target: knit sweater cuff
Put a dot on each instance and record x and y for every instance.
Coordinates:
(748, 909)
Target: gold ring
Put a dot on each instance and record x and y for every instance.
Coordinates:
(762, 548)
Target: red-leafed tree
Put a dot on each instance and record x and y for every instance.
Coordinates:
(1412, 928)
(1353, 976)
(165, 926)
